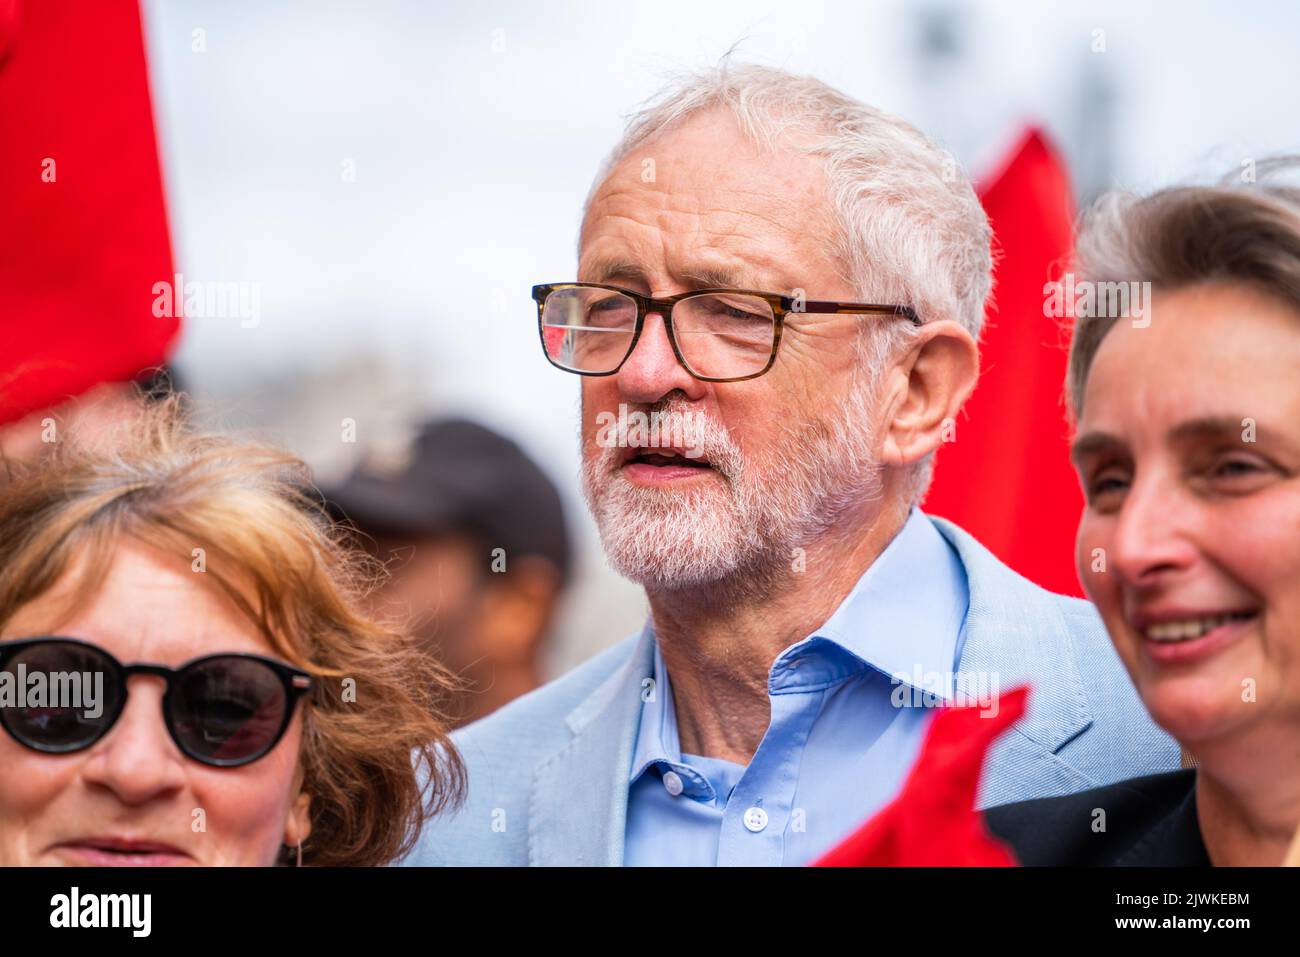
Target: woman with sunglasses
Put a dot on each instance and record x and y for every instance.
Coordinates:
(186, 674)
(1188, 451)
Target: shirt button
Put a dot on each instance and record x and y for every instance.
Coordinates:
(755, 819)
(672, 783)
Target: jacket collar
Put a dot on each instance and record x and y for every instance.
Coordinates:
(905, 614)
(1016, 631)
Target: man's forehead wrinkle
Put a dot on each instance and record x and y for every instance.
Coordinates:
(778, 222)
(593, 238)
(676, 179)
(673, 188)
(778, 207)
(695, 226)
(707, 257)
(616, 189)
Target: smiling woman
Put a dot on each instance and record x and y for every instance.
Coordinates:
(1188, 451)
(251, 711)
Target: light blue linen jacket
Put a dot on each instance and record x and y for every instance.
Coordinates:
(548, 773)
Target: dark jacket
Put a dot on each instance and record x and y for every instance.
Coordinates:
(1147, 822)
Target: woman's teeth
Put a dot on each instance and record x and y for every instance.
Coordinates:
(1190, 628)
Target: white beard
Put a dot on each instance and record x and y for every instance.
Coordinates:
(744, 529)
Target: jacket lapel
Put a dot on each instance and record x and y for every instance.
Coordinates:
(578, 805)
(1016, 631)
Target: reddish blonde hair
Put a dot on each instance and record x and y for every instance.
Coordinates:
(376, 767)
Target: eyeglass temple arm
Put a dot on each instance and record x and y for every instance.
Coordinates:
(858, 309)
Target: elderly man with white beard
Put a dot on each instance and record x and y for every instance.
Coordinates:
(796, 281)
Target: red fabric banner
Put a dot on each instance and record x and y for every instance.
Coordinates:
(1007, 477)
(84, 234)
(933, 821)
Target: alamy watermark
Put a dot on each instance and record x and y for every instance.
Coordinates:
(74, 909)
(78, 690)
(1084, 299)
(941, 689)
(197, 299)
(683, 431)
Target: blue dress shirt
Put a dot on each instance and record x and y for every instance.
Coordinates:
(848, 712)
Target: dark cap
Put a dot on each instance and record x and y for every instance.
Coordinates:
(459, 477)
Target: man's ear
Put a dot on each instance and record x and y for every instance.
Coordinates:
(933, 380)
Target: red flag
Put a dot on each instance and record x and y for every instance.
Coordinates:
(8, 27)
(1007, 477)
(84, 234)
(933, 821)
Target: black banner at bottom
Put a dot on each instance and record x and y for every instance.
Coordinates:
(239, 908)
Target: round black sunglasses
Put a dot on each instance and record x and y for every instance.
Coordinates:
(60, 695)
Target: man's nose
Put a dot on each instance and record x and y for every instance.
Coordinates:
(652, 370)
(1153, 537)
(138, 760)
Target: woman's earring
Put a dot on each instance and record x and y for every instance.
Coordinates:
(300, 853)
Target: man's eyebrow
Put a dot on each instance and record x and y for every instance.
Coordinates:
(718, 277)
(700, 277)
(609, 270)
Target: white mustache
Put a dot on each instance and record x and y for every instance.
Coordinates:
(712, 439)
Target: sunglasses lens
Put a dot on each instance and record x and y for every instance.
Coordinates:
(228, 711)
(59, 696)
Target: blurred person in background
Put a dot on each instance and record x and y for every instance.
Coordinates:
(1188, 450)
(237, 704)
(799, 280)
(472, 533)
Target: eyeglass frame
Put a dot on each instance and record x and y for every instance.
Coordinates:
(295, 682)
(781, 307)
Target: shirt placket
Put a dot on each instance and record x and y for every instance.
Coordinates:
(756, 816)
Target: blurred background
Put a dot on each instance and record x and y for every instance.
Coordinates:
(393, 176)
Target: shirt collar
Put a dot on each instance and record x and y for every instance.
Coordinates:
(904, 618)
(657, 740)
(906, 614)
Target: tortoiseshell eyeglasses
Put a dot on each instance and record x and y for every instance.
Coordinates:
(718, 335)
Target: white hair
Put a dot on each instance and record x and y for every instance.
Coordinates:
(909, 227)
